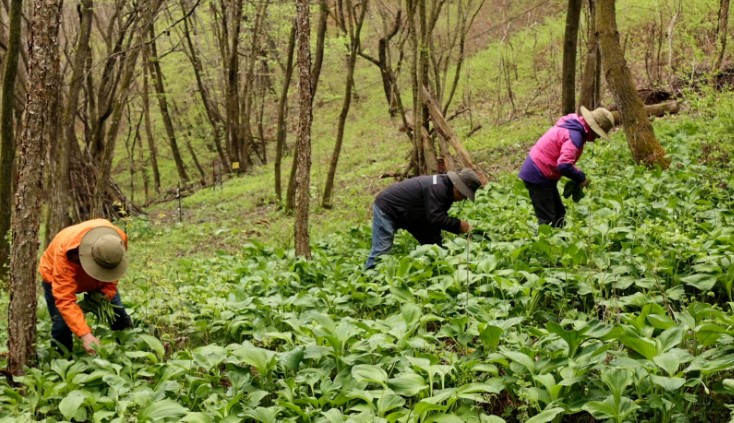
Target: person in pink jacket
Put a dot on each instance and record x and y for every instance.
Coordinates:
(555, 154)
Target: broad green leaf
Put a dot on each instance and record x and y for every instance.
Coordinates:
(333, 415)
(196, 418)
(292, 359)
(521, 359)
(162, 410)
(644, 347)
(407, 384)
(154, 344)
(670, 338)
(262, 414)
(660, 321)
(489, 386)
(545, 415)
(491, 336)
(258, 358)
(607, 409)
(71, 403)
(369, 373)
(388, 401)
(671, 384)
(444, 418)
(700, 281)
(669, 361)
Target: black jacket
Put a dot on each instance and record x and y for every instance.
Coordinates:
(420, 205)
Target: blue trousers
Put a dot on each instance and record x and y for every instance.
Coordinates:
(61, 334)
(383, 234)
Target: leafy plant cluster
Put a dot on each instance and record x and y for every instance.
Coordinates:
(623, 315)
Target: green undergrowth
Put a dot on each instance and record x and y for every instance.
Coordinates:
(623, 315)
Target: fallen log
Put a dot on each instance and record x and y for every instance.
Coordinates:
(443, 128)
(661, 109)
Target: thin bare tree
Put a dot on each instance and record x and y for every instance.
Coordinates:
(350, 17)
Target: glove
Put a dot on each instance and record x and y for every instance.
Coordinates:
(573, 189)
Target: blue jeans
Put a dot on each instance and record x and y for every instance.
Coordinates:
(383, 233)
(61, 334)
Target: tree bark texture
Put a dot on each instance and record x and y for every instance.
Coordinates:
(641, 138)
(305, 113)
(7, 142)
(232, 101)
(568, 73)
(589, 91)
(315, 75)
(43, 86)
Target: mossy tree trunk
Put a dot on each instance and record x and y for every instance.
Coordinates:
(640, 135)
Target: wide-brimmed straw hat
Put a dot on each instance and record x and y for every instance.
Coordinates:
(103, 254)
(466, 181)
(600, 120)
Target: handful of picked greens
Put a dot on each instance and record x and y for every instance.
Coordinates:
(573, 189)
(98, 304)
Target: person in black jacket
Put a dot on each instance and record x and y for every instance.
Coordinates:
(420, 205)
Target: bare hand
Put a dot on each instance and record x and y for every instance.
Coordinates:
(465, 227)
(90, 341)
(586, 182)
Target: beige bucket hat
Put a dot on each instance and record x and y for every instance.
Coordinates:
(600, 120)
(103, 254)
(466, 181)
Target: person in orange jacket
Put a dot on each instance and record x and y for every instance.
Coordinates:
(89, 256)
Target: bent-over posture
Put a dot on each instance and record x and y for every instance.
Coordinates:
(420, 206)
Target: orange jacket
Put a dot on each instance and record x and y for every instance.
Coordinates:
(68, 279)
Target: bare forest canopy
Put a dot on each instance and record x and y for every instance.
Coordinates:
(161, 97)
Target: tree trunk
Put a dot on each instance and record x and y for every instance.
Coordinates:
(305, 113)
(570, 40)
(232, 99)
(354, 28)
(281, 129)
(61, 209)
(722, 29)
(7, 144)
(42, 88)
(589, 92)
(315, 75)
(640, 135)
(149, 127)
(157, 76)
